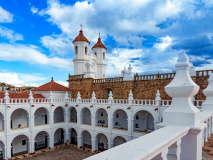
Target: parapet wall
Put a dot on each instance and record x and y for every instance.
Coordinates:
(143, 86)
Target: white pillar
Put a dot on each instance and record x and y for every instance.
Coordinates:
(157, 98)
(80, 141)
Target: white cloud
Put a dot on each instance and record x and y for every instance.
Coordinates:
(142, 60)
(58, 44)
(10, 34)
(64, 83)
(5, 16)
(34, 10)
(20, 79)
(99, 16)
(19, 52)
(164, 43)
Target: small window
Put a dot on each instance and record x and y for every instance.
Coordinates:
(76, 49)
(95, 54)
(85, 50)
(103, 55)
(23, 142)
(103, 75)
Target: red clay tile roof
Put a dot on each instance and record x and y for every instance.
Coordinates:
(99, 44)
(81, 37)
(51, 86)
(20, 95)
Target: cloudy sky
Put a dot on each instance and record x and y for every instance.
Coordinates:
(36, 36)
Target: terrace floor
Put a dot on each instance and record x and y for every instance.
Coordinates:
(62, 153)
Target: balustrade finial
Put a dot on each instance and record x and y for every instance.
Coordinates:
(110, 95)
(78, 95)
(181, 89)
(93, 95)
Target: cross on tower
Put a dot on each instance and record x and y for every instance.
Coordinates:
(99, 34)
(81, 26)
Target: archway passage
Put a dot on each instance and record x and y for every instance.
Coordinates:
(58, 115)
(41, 140)
(73, 115)
(101, 118)
(59, 136)
(19, 119)
(143, 122)
(87, 142)
(86, 119)
(41, 117)
(120, 119)
(2, 153)
(118, 140)
(73, 138)
(1, 122)
(101, 142)
(19, 145)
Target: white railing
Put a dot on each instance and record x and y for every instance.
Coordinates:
(40, 100)
(59, 100)
(120, 101)
(165, 102)
(160, 144)
(101, 101)
(143, 102)
(85, 100)
(20, 100)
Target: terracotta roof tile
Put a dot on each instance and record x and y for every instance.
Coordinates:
(51, 86)
(81, 37)
(99, 44)
(20, 95)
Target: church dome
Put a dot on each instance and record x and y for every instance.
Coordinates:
(99, 44)
(80, 37)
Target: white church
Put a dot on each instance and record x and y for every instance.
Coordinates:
(141, 129)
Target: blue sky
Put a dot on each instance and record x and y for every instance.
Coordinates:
(36, 36)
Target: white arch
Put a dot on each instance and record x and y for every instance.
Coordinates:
(142, 109)
(103, 134)
(36, 133)
(59, 107)
(46, 108)
(55, 129)
(113, 112)
(103, 109)
(118, 135)
(24, 108)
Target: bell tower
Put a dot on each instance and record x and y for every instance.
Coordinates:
(81, 45)
(99, 50)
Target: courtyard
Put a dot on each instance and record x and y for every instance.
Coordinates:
(62, 153)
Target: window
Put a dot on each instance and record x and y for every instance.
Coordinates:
(23, 142)
(103, 75)
(76, 49)
(85, 50)
(103, 55)
(95, 54)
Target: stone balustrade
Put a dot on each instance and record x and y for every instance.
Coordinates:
(76, 77)
(108, 80)
(154, 76)
(203, 73)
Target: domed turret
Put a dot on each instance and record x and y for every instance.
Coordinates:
(81, 45)
(99, 50)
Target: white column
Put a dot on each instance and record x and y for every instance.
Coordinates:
(93, 144)
(67, 137)
(80, 141)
